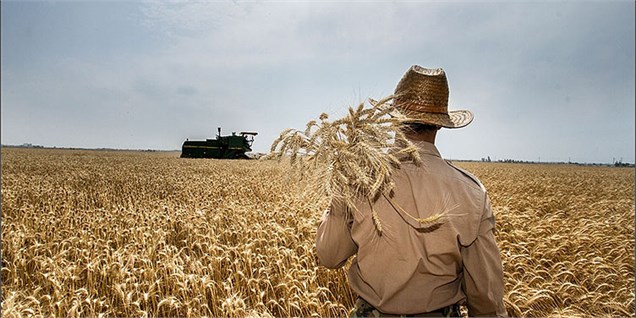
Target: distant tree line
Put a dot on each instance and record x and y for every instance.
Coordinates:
(29, 145)
(615, 163)
(620, 163)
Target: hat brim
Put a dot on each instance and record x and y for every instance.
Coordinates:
(454, 119)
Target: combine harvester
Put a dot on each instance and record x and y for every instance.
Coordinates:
(223, 147)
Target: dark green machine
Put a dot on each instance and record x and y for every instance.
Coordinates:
(223, 147)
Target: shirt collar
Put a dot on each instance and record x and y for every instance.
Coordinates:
(427, 148)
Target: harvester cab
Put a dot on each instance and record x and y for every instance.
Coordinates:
(249, 140)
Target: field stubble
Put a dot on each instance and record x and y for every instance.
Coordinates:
(92, 233)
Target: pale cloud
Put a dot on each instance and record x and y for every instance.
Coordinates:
(243, 35)
(536, 75)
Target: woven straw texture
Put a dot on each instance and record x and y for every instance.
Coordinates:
(421, 96)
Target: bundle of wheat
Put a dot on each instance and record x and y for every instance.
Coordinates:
(350, 158)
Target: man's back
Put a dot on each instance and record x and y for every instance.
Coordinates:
(412, 267)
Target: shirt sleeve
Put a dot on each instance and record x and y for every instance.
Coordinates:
(334, 244)
(483, 272)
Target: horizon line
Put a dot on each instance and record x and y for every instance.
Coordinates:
(507, 160)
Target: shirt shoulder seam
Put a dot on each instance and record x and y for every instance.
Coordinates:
(467, 174)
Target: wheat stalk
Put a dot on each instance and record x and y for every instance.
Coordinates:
(352, 157)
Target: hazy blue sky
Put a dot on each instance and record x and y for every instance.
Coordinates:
(548, 80)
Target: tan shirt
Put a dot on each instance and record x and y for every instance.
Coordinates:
(415, 268)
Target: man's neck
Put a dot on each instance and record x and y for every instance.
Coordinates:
(428, 137)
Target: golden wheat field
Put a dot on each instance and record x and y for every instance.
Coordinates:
(114, 233)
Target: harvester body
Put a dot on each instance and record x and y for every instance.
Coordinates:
(223, 147)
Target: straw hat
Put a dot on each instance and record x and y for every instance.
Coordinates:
(421, 96)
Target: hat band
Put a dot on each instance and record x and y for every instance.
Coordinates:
(424, 108)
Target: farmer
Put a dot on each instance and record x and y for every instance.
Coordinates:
(425, 268)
